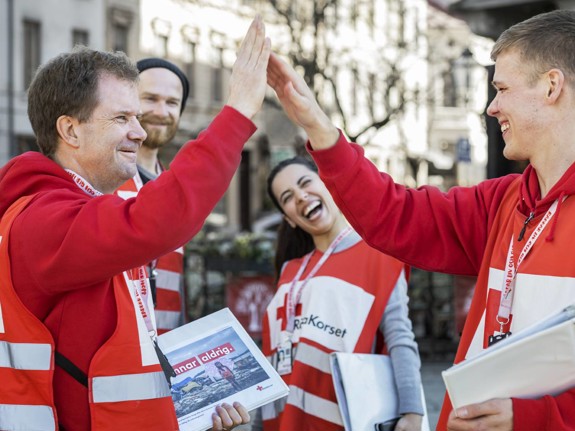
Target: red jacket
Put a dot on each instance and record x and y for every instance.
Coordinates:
(66, 246)
(466, 231)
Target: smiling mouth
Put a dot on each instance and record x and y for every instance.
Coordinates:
(312, 209)
(504, 127)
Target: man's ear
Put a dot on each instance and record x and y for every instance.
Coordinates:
(555, 83)
(291, 223)
(66, 127)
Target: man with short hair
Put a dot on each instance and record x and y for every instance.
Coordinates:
(73, 291)
(515, 232)
(163, 91)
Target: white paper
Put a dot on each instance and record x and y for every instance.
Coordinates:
(194, 349)
(365, 389)
(540, 360)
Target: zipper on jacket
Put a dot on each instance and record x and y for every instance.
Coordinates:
(525, 223)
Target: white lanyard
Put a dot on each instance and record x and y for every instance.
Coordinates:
(83, 184)
(291, 302)
(140, 287)
(139, 282)
(511, 269)
(141, 292)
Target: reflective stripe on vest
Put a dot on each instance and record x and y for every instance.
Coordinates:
(130, 387)
(314, 405)
(26, 418)
(313, 357)
(25, 356)
(167, 319)
(168, 280)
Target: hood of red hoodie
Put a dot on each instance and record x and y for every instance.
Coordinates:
(531, 193)
(31, 173)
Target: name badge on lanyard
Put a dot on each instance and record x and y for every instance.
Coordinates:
(284, 352)
(509, 281)
(284, 349)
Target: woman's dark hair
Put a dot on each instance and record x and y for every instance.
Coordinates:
(291, 242)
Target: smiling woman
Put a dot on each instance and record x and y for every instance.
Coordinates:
(322, 267)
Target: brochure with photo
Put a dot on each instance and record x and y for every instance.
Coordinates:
(216, 361)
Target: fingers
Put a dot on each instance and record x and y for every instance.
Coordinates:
(248, 79)
(228, 417)
(496, 414)
(254, 46)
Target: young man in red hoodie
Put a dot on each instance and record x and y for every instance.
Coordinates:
(514, 232)
(73, 290)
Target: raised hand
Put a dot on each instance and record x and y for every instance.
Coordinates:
(300, 104)
(248, 78)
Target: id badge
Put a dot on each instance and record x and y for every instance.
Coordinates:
(284, 354)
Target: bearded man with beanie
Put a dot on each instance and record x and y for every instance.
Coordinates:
(163, 91)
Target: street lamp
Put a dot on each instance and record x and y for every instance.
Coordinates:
(462, 70)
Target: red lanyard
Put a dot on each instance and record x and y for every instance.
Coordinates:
(291, 303)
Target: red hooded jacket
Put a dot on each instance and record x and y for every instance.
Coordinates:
(467, 231)
(66, 246)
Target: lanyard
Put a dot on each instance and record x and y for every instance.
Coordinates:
(291, 302)
(511, 269)
(141, 293)
(83, 184)
(140, 288)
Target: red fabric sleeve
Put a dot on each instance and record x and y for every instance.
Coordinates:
(545, 414)
(96, 238)
(424, 227)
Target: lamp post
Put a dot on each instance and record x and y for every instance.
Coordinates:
(462, 71)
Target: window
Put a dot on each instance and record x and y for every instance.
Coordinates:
(191, 37)
(191, 52)
(120, 38)
(120, 23)
(80, 37)
(217, 76)
(32, 50)
(161, 48)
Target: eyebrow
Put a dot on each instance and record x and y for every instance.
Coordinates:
(299, 181)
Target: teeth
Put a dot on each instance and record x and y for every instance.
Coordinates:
(504, 127)
(307, 210)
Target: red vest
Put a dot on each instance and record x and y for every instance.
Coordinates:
(340, 310)
(545, 281)
(168, 272)
(127, 388)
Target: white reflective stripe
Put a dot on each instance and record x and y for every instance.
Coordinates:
(167, 319)
(14, 417)
(313, 357)
(25, 356)
(124, 194)
(1, 320)
(272, 410)
(314, 405)
(168, 280)
(130, 387)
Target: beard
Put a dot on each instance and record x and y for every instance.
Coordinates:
(158, 137)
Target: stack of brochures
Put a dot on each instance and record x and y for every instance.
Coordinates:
(366, 390)
(537, 361)
(216, 361)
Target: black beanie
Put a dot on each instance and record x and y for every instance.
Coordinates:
(150, 63)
